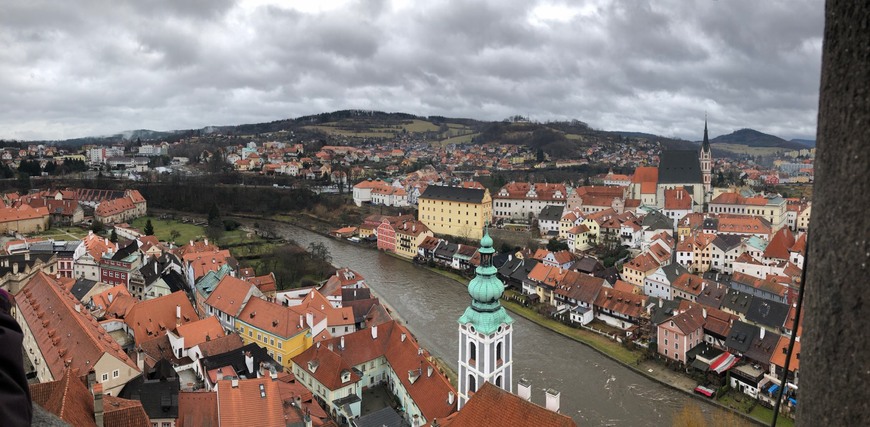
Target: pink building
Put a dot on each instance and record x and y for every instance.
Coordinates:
(386, 236)
(681, 333)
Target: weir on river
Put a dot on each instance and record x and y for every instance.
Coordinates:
(595, 390)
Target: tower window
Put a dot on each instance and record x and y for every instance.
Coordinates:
(472, 384)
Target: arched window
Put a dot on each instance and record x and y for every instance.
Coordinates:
(498, 355)
(472, 351)
(498, 381)
(472, 384)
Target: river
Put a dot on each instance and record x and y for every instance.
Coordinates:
(594, 389)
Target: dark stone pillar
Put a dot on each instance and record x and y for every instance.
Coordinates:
(835, 359)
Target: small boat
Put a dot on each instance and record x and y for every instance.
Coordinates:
(353, 239)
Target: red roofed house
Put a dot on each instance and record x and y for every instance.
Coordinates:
(87, 256)
(152, 318)
(60, 333)
(409, 235)
(523, 200)
(678, 203)
(618, 308)
(123, 209)
(681, 333)
(496, 407)
(250, 402)
(384, 354)
(228, 299)
(639, 268)
(23, 219)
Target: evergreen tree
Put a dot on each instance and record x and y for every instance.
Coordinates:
(113, 237)
(149, 229)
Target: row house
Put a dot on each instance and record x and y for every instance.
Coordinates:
(284, 331)
(116, 267)
(362, 192)
(523, 200)
(620, 309)
(228, 299)
(390, 196)
(561, 259)
(725, 249)
(694, 252)
(636, 270)
(681, 333)
(660, 283)
(579, 238)
(549, 220)
(123, 209)
(761, 288)
(24, 219)
(87, 256)
(63, 250)
(570, 219)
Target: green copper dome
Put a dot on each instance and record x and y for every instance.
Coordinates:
(485, 313)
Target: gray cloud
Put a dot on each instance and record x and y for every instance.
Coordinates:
(91, 68)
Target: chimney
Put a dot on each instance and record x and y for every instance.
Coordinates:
(235, 382)
(524, 389)
(220, 374)
(375, 332)
(309, 319)
(704, 312)
(78, 308)
(761, 333)
(177, 310)
(301, 324)
(403, 336)
(329, 346)
(111, 297)
(206, 241)
(553, 400)
(191, 243)
(450, 397)
(140, 360)
(249, 362)
(341, 347)
(429, 371)
(98, 404)
(307, 418)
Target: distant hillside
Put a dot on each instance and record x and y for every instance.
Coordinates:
(755, 139)
(807, 142)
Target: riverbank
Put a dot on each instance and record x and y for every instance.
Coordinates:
(660, 374)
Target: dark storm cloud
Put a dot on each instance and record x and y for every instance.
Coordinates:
(70, 69)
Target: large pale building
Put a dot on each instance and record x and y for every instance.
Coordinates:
(455, 211)
(523, 200)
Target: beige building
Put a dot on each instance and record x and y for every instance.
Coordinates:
(59, 332)
(455, 211)
(23, 219)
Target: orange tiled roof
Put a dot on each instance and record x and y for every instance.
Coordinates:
(778, 356)
(229, 295)
(643, 262)
(152, 318)
(197, 408)
(646, 174)
(275, 318)
(22, 213)
(63, 334)
(678, 199)
(119, 412)
(544, 191)
(68, 398)
(491, 405)
(253, 402)
(200, 331)
(627, 303)
(780, 244)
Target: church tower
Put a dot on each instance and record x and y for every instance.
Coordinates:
(706, 158)
(485, 332)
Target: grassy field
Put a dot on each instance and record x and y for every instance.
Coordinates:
(63, 233)
(461, 139)
(163, 229)
(420, 126)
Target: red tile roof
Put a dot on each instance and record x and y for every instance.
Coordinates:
(245, 405)
(119, 412)
(63, 334)
(229, 295)
(200, 331)
(617, 301)
(197, 409)
(780, 244)
(275, 318)
(543, 191)
(492, 406)
(152, 318)
(678, 199)
(22, 213)
(68, 398)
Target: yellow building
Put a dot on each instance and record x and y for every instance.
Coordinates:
(455, 211)
(409, 235)
(283, 331)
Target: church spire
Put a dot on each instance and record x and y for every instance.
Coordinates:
(705, 146)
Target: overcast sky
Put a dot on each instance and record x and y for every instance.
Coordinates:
(83, 68)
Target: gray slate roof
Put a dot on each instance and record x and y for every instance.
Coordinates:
(453, 194)
(551, 213)
(680, 167)
(767, 313)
